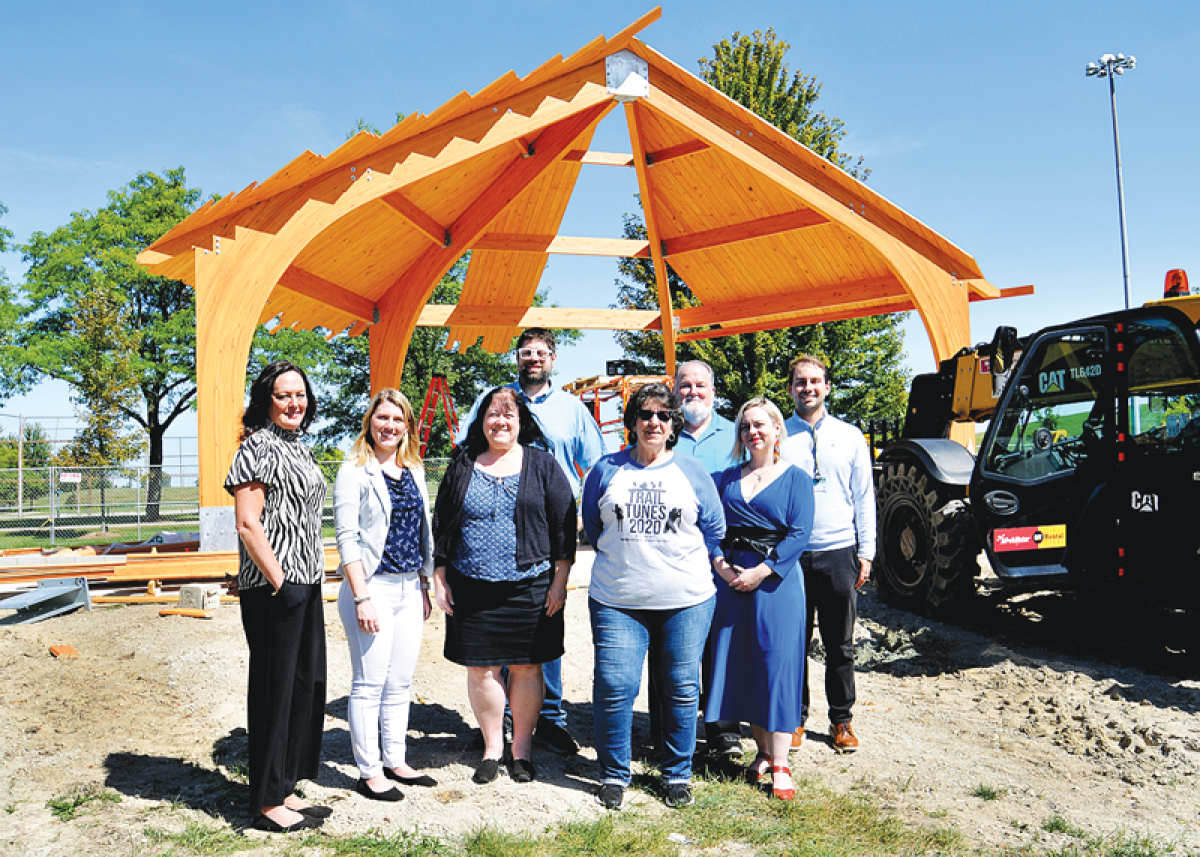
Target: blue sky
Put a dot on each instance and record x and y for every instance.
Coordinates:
(974, 117)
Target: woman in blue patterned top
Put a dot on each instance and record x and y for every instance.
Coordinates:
(504, 542)
(381, 515)
(278, 493)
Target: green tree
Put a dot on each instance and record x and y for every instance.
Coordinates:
(10, 367)
(24, 459)
(96, 254)
(864, 355)
(106, 389)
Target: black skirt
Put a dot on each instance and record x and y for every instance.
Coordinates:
(501, 623)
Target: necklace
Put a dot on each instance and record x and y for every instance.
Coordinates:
(759, 474)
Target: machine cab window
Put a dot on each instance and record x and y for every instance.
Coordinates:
(1057, 413)
(1164, 388)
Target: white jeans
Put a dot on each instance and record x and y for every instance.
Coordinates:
(383, 666)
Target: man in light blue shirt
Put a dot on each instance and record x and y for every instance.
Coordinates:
(706, 434)
(576, 443)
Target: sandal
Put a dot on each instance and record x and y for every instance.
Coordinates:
(782, 794)
(754, 773)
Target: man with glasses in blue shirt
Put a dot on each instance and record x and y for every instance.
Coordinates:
(838, 560)
(576, 443)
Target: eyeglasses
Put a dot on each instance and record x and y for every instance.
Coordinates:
(534, 353)
(645, 414)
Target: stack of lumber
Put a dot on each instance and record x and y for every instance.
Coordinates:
(132, 570)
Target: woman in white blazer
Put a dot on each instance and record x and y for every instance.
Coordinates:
(381, 515)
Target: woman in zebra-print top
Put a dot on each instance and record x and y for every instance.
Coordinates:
(279, 493)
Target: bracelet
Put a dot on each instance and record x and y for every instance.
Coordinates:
(361, 599)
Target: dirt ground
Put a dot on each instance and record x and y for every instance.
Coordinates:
(1052, 709)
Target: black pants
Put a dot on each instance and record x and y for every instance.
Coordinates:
(286, 699)
(829, 578)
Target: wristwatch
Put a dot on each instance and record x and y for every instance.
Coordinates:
(359, 599)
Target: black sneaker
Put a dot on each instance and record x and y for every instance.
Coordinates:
(726, 745)
(554, 737)
(610, 796)
(679, 795)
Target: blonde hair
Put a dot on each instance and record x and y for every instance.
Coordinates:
(773, 414)
(409, 453)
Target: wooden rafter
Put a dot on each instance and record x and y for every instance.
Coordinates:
(636, 136)
(301, 282)
(564, 245)
(795, 302)
(857, 309)
(691, 147)
(417, 217)
(748, 230)
(444, 315)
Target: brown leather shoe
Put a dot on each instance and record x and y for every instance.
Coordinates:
(797, 737)
(843, 738)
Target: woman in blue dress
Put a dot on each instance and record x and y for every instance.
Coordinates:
(758, 634)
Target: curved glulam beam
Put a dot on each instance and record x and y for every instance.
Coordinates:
(940, 300)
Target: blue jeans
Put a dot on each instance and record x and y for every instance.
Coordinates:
(674, 640)
(552, 702)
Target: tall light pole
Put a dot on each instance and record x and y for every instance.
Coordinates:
(1109, 66)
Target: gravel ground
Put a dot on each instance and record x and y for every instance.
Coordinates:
(1053, 711)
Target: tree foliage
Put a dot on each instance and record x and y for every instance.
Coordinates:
(95, 254)
(9, 314)
(751, 70)
(103, 346)
(864, 355)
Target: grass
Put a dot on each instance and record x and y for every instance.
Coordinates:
(1057, 824)
(985, 792)
(67, 806)
(729, 816)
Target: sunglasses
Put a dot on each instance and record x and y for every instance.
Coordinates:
(645, 414)
(533, 354)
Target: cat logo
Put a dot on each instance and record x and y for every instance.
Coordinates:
(1143, 502)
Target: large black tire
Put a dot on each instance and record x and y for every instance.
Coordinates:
(927, 557)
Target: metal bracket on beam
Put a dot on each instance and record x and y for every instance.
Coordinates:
(52, 597)
(375, 315)
(627, 76)
(447, 240)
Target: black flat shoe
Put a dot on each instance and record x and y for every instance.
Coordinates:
(306, 822)
(314, 811)
(391, 795)
(487, 771)
(423, 780)
(522, 771)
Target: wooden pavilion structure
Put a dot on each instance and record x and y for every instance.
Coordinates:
(766, 233)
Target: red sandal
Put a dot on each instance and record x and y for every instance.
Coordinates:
(782, 794)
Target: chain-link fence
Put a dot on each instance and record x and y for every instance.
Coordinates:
(62, 507)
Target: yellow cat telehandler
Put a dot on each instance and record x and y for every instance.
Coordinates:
(1088, 472)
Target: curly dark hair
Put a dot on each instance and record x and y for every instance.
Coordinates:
(529, 434)
(658, 393)
(258, 412)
